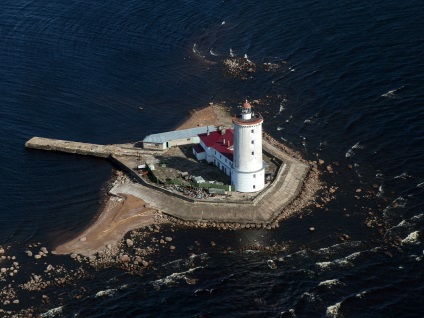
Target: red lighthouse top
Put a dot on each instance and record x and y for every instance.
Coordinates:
(246, 104)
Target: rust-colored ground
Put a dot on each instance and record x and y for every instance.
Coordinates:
(215, 114)
(120, 216)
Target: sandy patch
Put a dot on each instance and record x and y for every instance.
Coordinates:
(120, 215)
(215, 114)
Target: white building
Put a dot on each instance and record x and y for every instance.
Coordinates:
(216, 147)
(237, 152)
(175, 138)
(248, 171)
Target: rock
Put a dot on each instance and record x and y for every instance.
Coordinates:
(37, 256)
(332, 190)
(29, 253)
(311, 229)
(49, 267)
(129, 242)
(168, 239)
(16, 301)
(44, 250)
(3, 270)
(125, 258)
(329, 168)
(92, 258)
(162, 241)
(145, 263)
(109, 246)
(358, 190)
(213, 244)
(350, 167)
(321, 162)
(83, 239)
(172, 247)
(74, 255)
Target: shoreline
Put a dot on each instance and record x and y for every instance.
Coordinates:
(124, 213)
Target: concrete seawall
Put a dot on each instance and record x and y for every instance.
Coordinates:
(81, 148)
(263, 210)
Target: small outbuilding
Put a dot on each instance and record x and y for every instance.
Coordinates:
(175, 138)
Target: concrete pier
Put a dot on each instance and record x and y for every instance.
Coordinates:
(81, 148)
(263, 209)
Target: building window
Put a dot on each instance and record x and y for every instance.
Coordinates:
(253, 153)
(254, 187)
(253, 131)
(253, 142)
(254, 176)
(188, 139)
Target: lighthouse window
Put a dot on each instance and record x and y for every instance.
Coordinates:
(253, 153)
(254, 176)
(253, 142)
(253, 131)
(254, 187)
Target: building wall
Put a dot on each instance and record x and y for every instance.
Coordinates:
(223, 163)
(248, 147)
(183, 141)
(248, 181)
(154, 146)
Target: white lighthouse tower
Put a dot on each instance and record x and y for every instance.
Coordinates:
(248, 172)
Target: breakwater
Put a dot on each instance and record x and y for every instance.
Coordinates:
(264, 210)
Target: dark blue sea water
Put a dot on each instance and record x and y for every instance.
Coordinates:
(349, 90)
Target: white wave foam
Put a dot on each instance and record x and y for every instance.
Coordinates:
(333, 311)
(392, 93)
(168, 280)
(362, 294)
(418, 217)
(107, 292)
(380, 191)
(330, 282)
(223, 22)
(310, 297)
(271, 264)
(358, 146)
(195, 49)
(420, 185)
(350, 153)
(213, 53)
(279, 128)
(404, 175)
(53, 312)
(331, 250)
(232, 52)
(412, 238)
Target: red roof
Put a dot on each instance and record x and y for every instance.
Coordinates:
(220, 142)
(246, 104)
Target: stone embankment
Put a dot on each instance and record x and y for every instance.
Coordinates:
(264, 210)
